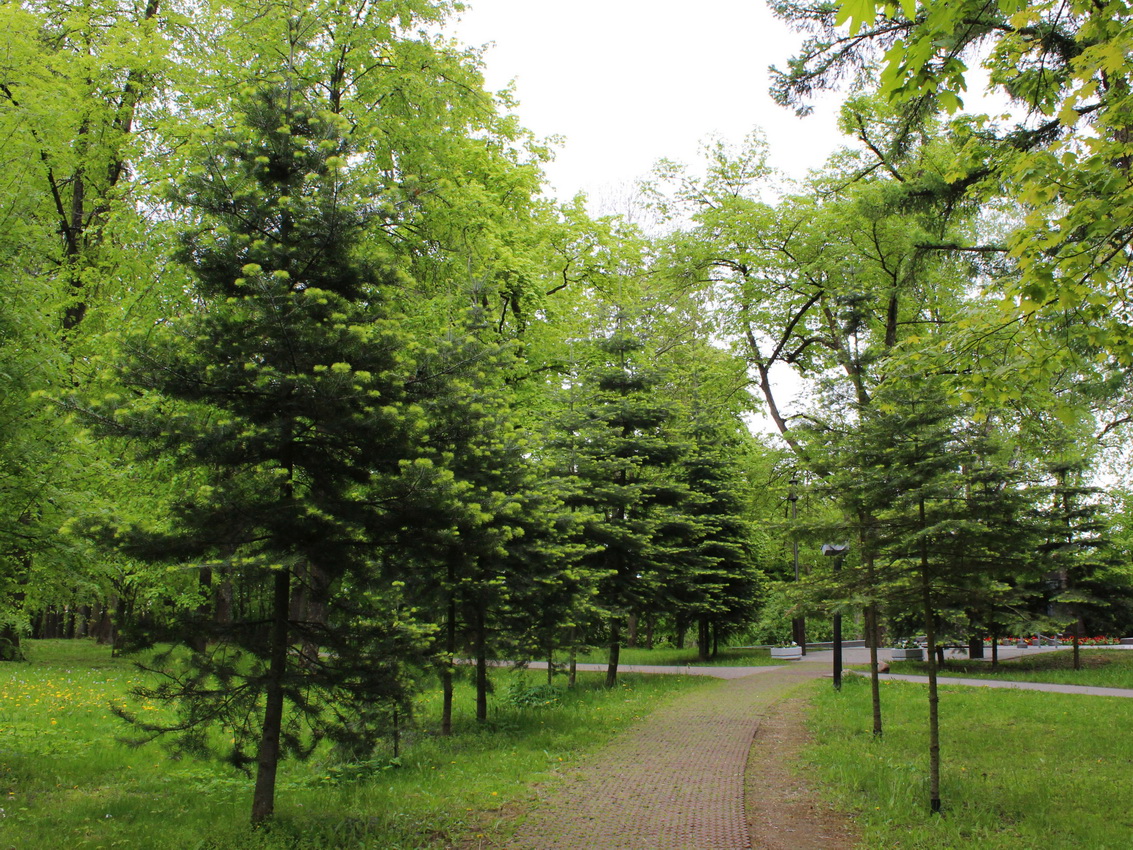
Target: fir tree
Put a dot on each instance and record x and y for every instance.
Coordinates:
(613, 452)
(948, 521)
(720, 582)
(294, 389)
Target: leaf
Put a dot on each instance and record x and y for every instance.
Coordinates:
(1068, 115)
(857, 12)
(950, 101)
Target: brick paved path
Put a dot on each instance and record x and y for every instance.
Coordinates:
(673, 782)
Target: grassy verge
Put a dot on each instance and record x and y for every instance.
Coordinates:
(1020, 769)
(669, 657)
(1101, 668)
(65, 782)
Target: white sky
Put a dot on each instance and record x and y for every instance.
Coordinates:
(627, 82)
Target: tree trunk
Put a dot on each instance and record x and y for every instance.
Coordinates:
(1079, 629)
(223, 598)
(702, 639)
(933, 694)
(615, 652)
(309, 611)
(198, 641)
(447, 670)
(631, 631)
(481, 668)
(874, 671)
(572, 675)
(975, 646)
(104, 631)
(650, 623)
(267, 761)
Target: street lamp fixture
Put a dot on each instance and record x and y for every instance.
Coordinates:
(837, 551)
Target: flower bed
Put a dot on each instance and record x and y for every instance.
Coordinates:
(1067, 640)
(787, 653)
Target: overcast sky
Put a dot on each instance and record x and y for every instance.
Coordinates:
(627, 82)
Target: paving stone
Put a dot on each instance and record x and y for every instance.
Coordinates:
(675, 781)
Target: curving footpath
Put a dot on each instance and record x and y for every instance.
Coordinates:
(676, 782)
(1047, 687)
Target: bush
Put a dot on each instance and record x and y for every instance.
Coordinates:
(520, 694)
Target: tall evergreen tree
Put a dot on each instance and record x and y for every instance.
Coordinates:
(612, 449)
(714, 574)
(947, 518)
(294, 389)
(1073, 549)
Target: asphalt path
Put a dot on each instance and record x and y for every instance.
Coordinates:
(861, 656)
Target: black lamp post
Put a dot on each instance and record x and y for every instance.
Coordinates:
(838, 552)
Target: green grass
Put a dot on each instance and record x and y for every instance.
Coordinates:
(1101, 668)
(669, 657)
(66, 782)
(1020, 769)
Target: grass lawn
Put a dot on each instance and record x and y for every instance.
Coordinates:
(1101, 668)
(66, 782)
(669, 657)
(1020, 769)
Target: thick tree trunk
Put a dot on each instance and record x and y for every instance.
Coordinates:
(267, 761)
(615, 653)
(975, 646)
(631, 631)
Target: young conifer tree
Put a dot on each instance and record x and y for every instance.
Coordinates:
(615, 453)
(294, 392)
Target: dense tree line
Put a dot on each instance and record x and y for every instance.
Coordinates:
(310, 393)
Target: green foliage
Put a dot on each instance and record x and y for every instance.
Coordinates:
(297, 392)
(1064, 160)
(520, 693)
(613, 450)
